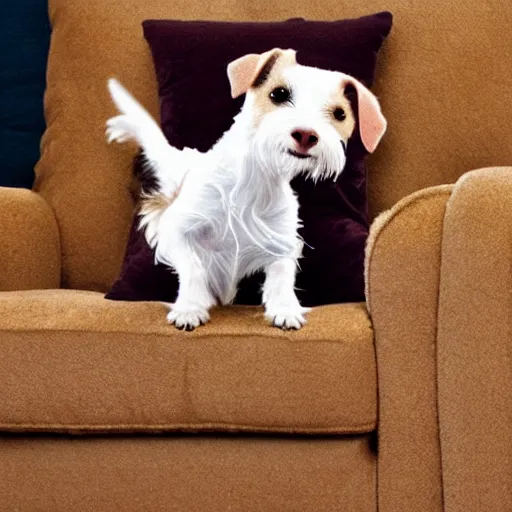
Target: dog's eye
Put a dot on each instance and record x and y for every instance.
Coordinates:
(339, 114)
(280, 95)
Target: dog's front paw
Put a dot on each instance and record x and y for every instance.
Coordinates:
(287, 317)
(188, 319)
(121, 129)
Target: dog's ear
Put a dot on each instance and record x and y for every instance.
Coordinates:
(253, 69)
(372, 124)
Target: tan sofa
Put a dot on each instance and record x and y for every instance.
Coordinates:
(400, 404)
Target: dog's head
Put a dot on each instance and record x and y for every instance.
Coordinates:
(300, 117)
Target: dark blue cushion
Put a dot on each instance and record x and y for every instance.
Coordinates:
(24, 41)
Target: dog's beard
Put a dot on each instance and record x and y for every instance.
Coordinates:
(275, 156)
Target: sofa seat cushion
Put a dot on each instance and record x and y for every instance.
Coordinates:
(71, 361)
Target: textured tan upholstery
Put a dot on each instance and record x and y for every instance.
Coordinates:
(29, 242)
(475, 344)
(403, 267)
(104, 365)
(186, 474)
(403, 404)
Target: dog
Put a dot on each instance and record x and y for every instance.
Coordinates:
(221, 215)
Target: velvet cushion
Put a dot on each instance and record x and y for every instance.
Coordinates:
(196, 108)
(24, 40)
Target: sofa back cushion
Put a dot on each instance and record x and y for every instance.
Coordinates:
(442, 79)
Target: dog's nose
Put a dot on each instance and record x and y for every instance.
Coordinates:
(305, 139)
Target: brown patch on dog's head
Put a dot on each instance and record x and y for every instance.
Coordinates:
(269, 78)
(265, 70)
(253, 69)
(340, 104)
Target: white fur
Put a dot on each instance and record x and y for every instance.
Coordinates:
(236, 212)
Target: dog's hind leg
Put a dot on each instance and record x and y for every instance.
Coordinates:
(135, 123)
(282, 307)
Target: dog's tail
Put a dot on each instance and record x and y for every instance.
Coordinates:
(165, 162)
(129, 106)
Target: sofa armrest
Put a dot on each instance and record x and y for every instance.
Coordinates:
(29, 242)
(402, 276)
(475, 343)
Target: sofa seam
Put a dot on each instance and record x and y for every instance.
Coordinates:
(172, 333)
(365, 428)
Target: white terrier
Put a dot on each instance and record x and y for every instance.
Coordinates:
(227, 213)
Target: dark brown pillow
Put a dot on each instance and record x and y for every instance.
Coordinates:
(190, 60)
